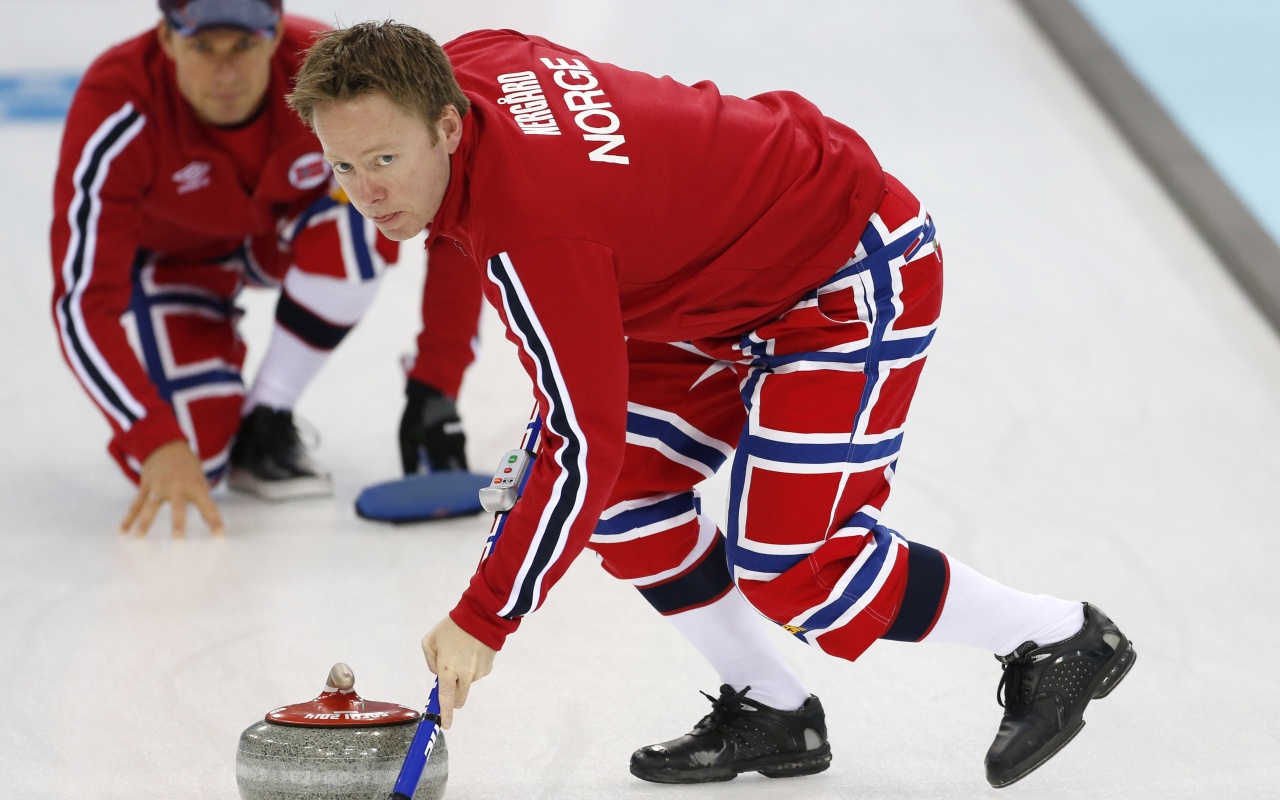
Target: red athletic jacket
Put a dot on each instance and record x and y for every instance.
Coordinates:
(602, 204)
(139, 171)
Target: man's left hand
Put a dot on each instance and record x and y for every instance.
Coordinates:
(431, 434)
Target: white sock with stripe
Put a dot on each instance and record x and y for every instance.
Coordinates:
(734, 639)
(290, 363)
(981, 612)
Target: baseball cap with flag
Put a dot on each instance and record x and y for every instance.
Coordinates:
(189, 17)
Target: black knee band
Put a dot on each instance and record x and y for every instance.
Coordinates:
(303, 323)
(927, 578)
(705, 583)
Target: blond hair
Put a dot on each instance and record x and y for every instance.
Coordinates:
(398, 60)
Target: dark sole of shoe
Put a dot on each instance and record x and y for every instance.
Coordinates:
(1103, 684)
(771, 767)
(795, 769)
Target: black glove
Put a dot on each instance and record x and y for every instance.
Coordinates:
(431, 437)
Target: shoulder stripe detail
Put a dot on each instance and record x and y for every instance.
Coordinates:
(107, 142)
(565, 503)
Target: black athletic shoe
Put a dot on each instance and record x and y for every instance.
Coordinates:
(740, 735)
(1046, 690)
(268, 459)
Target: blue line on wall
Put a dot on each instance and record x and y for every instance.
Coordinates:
(36, 96)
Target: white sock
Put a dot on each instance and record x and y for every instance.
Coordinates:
(980, 612)
(288, 367)
(732, 637)
(290, 363)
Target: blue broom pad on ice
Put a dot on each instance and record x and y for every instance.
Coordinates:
(416, 498)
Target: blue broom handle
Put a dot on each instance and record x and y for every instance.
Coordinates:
(424, 740)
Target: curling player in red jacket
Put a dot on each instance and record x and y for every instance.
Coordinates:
(693, 280)
(183, 178)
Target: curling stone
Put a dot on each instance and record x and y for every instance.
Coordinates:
(338, 746)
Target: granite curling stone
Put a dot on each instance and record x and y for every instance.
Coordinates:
(338, 746)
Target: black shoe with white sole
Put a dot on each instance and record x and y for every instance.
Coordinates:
(740, 735)
(1046, 689)
(269, 460)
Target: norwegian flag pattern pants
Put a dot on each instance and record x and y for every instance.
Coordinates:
(811, 408)
(184, 318)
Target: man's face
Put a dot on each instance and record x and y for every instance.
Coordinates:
(222, 72)
(384, 159)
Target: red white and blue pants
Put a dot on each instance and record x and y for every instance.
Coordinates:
(811, 409)
(184, 316)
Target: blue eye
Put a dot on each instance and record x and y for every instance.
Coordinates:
(340, 167)
(384, 160)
